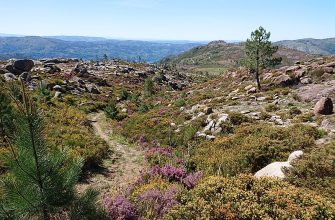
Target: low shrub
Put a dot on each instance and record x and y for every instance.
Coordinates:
(316, 170)
(271, 108)
(245, 197)
(257, 146)
(237, 118)
(180, 102)
(111, 111)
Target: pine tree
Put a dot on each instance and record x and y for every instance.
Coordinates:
(5, 112)
(39, 182)
(260, 51)
(148, 87)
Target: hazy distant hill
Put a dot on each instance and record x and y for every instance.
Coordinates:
(218, 56)
(312, 46)
(88, 48)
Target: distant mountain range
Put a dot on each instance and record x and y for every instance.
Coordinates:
(92, 48)
(311, 46)
(89, 48)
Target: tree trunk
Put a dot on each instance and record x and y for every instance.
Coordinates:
(258, 82)
(257, 70)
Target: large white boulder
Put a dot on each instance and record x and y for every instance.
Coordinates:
(275, 169)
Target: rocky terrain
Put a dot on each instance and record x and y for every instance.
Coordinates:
(166, 150)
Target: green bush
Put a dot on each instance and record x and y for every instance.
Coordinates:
(251, 147)
(180, 102)
(149, 89)
(124, 94)
(237, 118)
(271, 108)
(295, 111)
(111, 111)
(143, 108)
(245, 197)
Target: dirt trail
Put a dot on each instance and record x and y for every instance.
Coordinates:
(123, 165)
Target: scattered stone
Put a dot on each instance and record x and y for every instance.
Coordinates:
(261, 99)
(252, 90)
(210, 137)
(248, 87)
(208, 110)
(328, 69)
(9, 77)
(306, 80)
(292, 69)
(25, 76)
(324, 106)
(332, 64)
(58, 94)
(245, 112)
(57, 88)
(91, 88)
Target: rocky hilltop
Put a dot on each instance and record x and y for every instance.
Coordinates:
(219, 56)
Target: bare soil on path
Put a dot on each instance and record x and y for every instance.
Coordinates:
(122, 166)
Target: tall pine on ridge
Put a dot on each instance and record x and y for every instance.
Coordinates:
(259, 53)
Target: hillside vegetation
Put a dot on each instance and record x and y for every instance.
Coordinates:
(311, 46)
(219, 56)
(41, 47)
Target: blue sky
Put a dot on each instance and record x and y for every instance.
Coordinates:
(169, 19)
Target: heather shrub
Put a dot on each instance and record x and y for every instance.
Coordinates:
(257, 146)
(315, 170)
(155, 203)
(119, 208)
(245, 197)
(158, 155)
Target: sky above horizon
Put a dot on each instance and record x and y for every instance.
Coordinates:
(169, 19)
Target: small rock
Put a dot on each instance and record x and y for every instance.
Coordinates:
(261, 98)
(252, 90)
(248, 87)
(328, 69)
(324, 106)
(58, 94)
(210, 137)
(306, 80)
(332, 64)
(25, 76)
(57, 88)
(91, 88)
(9, 77)
(208, 110)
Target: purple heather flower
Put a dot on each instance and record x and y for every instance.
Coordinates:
(119, 208)
(191, 180)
